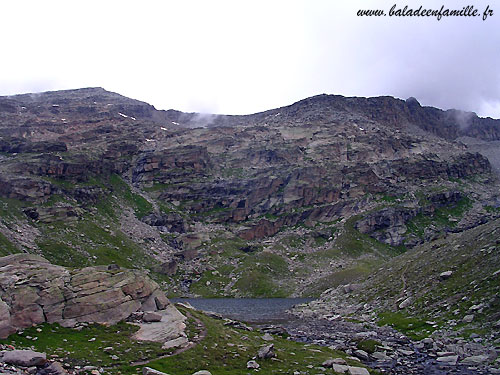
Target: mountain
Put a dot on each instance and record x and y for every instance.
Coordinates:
(286, 202)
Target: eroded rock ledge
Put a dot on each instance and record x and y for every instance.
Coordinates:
(34, 291)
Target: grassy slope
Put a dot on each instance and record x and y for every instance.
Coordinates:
(95, 238)
(472, 256)
(225, 350)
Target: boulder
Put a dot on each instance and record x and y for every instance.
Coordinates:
(151, 316)
(468, 318)
(151, 371)
(267, 337)
(475, 360)
(407, 302)
(252, 365)
(341, 369)
(357, 371)
(381, 356)
(361, 354)
(178, 342)
(170, 327)
(25, 358)
(6, 327)
(449, 360)
(445, 275)
(266, 352)
(334, 361)
(54, 368)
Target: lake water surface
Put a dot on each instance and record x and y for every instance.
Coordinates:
(254, 310)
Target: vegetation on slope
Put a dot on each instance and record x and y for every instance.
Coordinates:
(224, 350)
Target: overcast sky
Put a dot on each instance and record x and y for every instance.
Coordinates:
(239, 57)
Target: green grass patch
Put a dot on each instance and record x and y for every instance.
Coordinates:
(7, 247)
(442, 217)
(12, 209)
(492, 209)
(415, 328)
(389, 198)
(212, 283)
(260, 276)
(60, 182)
(56, 198)
(341, 277)
(354, 243)
(368, 345)
(85, 347)
(140, 205)
(255, 283)
(88, 242)
(294, 241)
(224, 351)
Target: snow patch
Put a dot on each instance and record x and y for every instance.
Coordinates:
(125, 116)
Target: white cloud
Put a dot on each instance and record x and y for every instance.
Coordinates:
(242, 57)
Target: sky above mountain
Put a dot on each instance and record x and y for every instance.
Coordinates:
(239, 57)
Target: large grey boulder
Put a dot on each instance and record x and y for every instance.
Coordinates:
(25, 358)
(266, 352)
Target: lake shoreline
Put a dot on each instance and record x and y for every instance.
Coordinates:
(392, 352)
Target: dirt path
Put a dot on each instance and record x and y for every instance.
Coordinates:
(403, 289)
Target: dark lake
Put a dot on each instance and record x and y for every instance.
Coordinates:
(254, 310)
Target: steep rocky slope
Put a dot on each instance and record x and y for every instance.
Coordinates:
(289, 201)
(447, 289)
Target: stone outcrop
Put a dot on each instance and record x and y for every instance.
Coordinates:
(34, 291)
(25, 188)
(20, 145)
(389, 225)
(172, 164)
(64, 212)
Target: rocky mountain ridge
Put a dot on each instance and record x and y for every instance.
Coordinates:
(289, 201)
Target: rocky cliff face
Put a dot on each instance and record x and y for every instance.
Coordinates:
(90, 177)
(34, 291)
